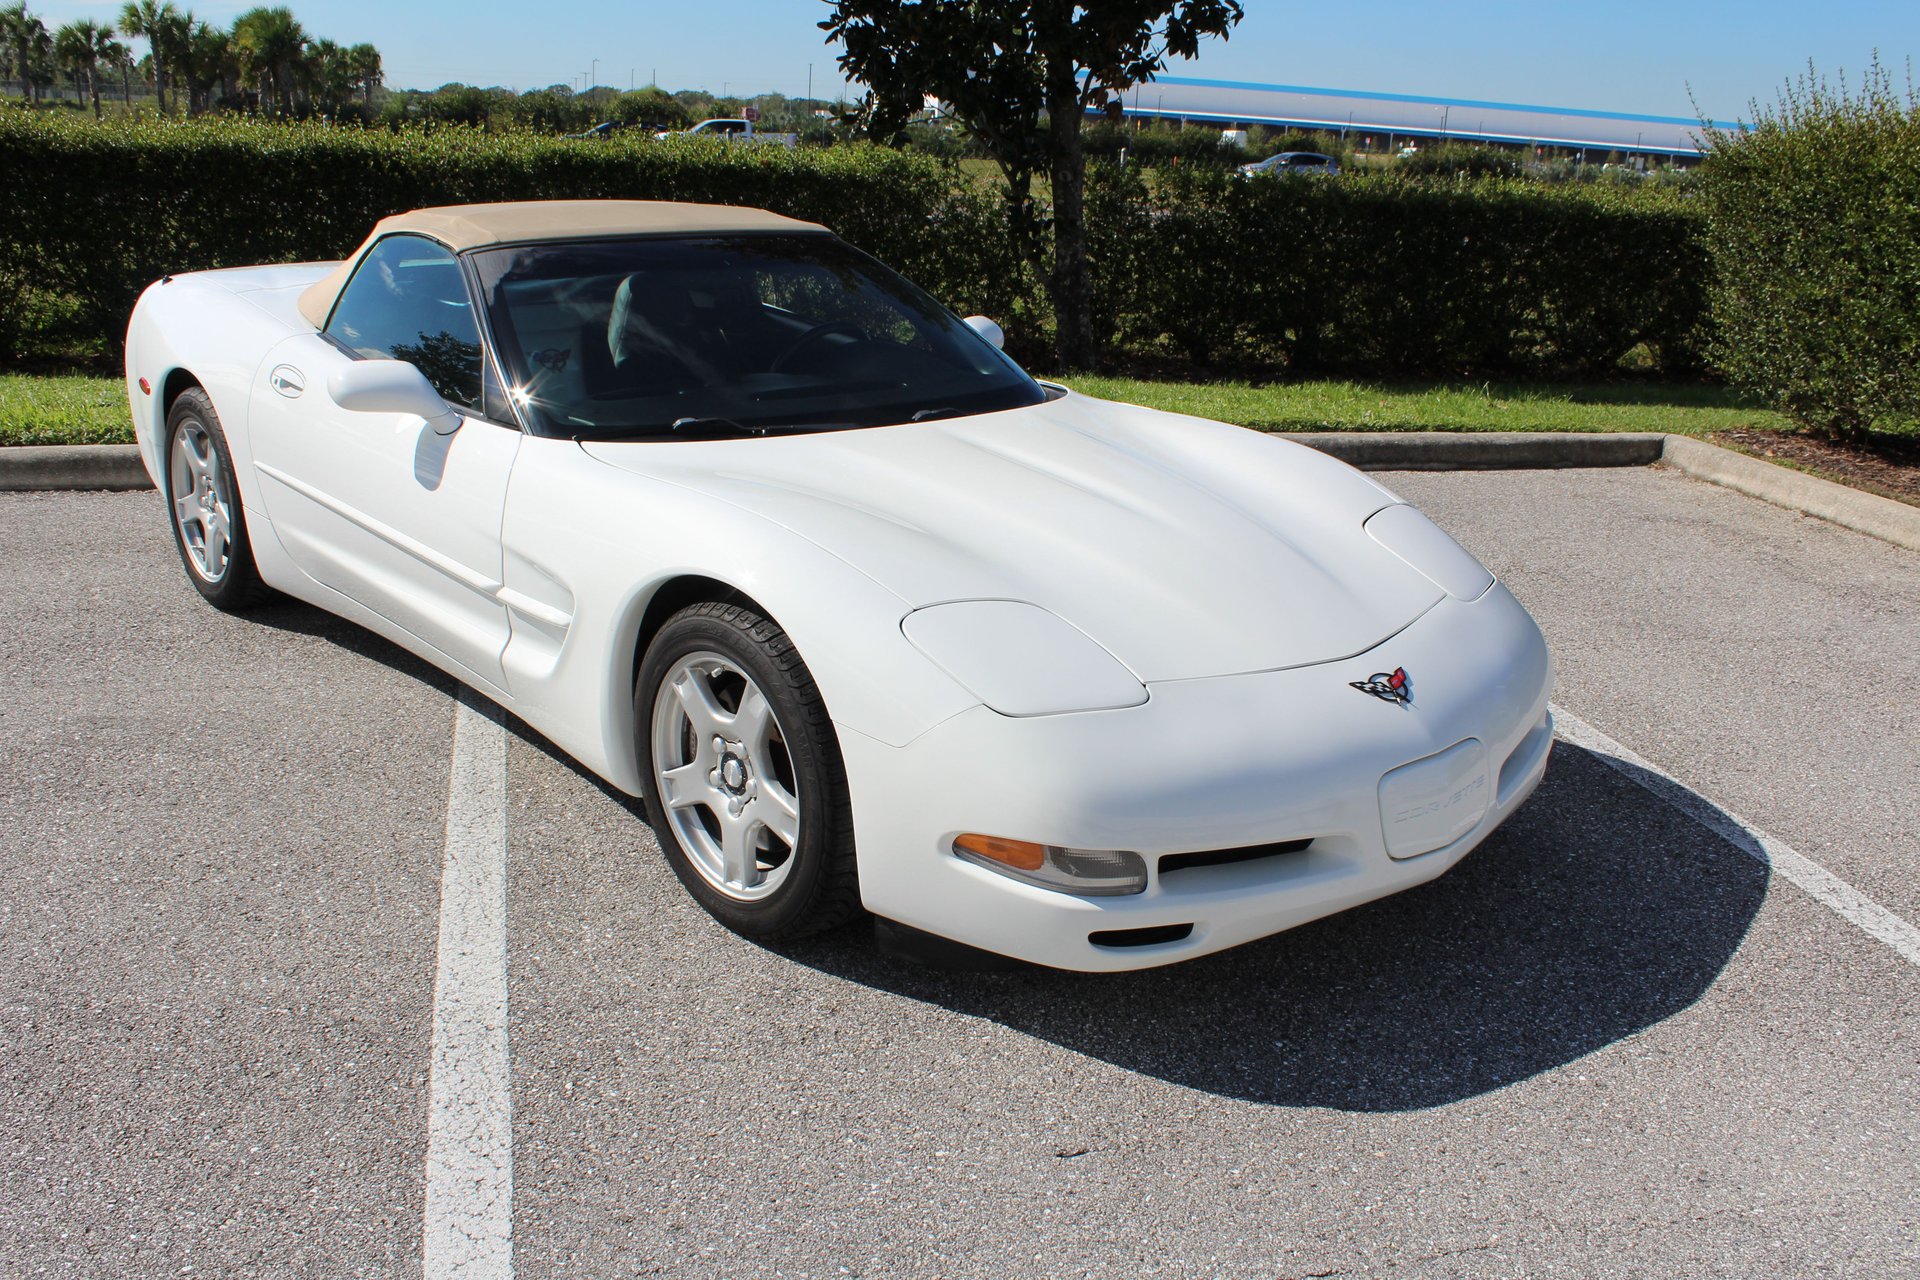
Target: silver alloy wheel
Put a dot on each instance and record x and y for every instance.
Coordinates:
(202, 500)
(724, 776)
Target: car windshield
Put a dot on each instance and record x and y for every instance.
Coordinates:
(730, 334)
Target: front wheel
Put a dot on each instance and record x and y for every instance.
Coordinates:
(745, 784)
(209, 526)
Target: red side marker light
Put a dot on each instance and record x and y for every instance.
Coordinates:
(146, 388)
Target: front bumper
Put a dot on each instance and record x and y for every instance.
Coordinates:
(1213, 764)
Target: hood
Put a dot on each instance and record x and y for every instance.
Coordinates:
(1187, 548)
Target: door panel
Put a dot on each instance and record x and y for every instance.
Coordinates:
(382, 508)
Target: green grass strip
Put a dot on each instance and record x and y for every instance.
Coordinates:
(64, 409)
(1332, 405)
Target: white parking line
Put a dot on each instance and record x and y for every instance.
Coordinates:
(1819, 883)
(467, 1233)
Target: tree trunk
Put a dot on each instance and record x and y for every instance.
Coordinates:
(1072, 280)
(93, 90)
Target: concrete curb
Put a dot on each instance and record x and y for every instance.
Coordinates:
(118, 466)
(1484, 450)
(1867, 513)
(75, 466)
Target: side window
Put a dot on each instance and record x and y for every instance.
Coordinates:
(408, 301)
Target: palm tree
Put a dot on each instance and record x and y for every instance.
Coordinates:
(272, 46)
(367, 71)
(209, 62)
(20, 33)
(117, 57)
(39, 68)
(329, 75)
(164, 29)
(81, 47)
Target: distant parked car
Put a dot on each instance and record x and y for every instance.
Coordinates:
(1311, 162)
(605, 129)
(735, 130)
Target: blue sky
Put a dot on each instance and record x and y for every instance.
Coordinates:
(1634, 55)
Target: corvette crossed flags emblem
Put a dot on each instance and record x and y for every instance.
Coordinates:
(1388, 686)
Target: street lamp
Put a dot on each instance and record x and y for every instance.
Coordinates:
(593, 76)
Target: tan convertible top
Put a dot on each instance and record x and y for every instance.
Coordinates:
(474, 226)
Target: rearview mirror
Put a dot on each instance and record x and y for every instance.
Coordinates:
(987, 329)
(391, 386)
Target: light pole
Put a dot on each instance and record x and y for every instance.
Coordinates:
(593, 76)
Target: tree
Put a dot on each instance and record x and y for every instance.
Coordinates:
(23, 45)
(652, 106)
(1020, 75)
(364, 61)
(209, 62)
(273, 50)
(117, 57)
(81, 48)
(40, 66)
(164, 28)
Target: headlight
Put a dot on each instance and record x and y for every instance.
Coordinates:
(1092, 873)
(1407, 532)
(1021, 660)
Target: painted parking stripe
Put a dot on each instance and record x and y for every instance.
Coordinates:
(1816, 881)
(468, 1228)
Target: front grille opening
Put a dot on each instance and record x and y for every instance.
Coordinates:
(1523, 759)
(1221, 857)
(1152, 936)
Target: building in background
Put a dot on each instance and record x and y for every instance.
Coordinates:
(1387, 121)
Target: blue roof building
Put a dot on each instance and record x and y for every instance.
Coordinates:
(1409, 116)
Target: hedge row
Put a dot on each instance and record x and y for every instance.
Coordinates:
(93, 213)
(1366, 274)
(1378, 274)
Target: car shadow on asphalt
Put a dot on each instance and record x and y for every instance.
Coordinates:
(1597, 911)
(298, 618)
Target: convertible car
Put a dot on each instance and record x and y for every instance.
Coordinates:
(875, 622)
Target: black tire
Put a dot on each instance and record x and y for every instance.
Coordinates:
(196, 455)
(803, 888)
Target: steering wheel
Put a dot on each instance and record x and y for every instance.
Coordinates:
(812, 336)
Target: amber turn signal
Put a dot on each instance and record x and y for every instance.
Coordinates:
(1020, 854)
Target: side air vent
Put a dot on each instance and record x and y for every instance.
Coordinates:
(1221, 857)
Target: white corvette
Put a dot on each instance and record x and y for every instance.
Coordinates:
(754, 528)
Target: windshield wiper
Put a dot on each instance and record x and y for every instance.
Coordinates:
(691, 424)
(927, 415)
(728, 423)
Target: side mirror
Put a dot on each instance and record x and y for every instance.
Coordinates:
(391, 386)
(987, 329)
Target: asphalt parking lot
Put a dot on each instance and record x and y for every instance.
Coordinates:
(1612, 1042)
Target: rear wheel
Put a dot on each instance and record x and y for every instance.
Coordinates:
(745, 784)
(209, 527)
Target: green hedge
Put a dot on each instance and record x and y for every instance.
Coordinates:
(1814, 226)
(1379, 274)
(93, 213)
(1366, 274)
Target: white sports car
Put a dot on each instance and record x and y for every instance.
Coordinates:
(753, 527)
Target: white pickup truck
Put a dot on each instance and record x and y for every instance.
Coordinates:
(733, 130)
